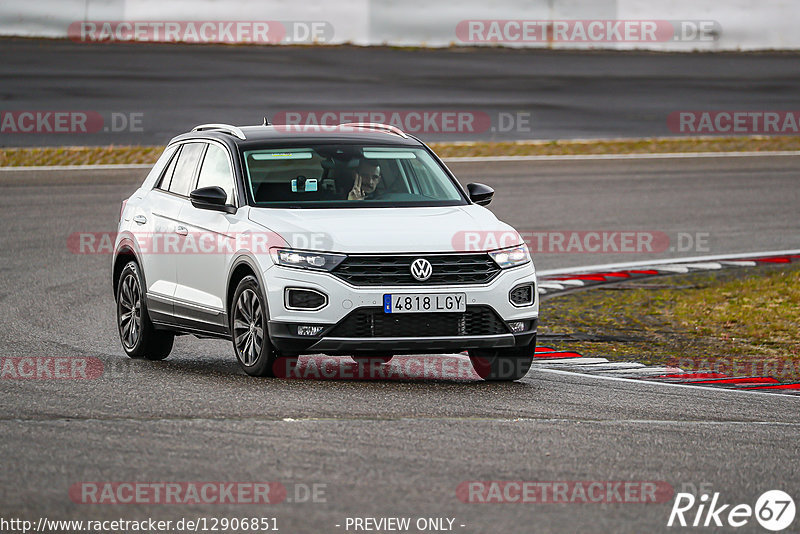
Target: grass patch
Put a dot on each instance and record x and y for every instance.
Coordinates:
(656, 145)
(79, 155)
(742, 321)
(15, 157)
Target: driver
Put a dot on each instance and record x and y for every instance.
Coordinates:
(367, 178)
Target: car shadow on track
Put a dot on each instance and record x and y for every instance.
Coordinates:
(417, 369)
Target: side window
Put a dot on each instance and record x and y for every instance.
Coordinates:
(157, 172)
(216, 170)
(166, 178)
(183, 176)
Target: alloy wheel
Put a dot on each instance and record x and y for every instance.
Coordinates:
(130, 311)
(248, 327)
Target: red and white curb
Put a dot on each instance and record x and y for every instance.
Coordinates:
(561, 280)
(574, 362)
(564, 280)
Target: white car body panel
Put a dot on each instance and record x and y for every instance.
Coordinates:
(384, 230)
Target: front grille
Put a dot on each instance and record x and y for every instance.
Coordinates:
(373, 322)
(448, 269)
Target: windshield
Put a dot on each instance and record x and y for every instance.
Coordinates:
(349, 176)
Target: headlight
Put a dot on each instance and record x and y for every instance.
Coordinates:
(306, 260)
(511, 257)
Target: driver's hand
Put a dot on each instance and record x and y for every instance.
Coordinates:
(357, 193)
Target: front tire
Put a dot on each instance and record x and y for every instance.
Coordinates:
(139, 337)
(503, 364)
(248, 326)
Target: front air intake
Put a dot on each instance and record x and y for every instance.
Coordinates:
(521, 295)
(304, 299)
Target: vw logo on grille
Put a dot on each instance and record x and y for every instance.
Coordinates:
(421, 269)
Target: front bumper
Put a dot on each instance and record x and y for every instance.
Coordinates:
(344, 299)
(286, 341)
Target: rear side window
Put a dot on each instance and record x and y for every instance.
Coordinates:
(166, 178)
(157, 172)
(216, 170)
(185, 168)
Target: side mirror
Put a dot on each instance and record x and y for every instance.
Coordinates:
(211, 198)
(480, 194)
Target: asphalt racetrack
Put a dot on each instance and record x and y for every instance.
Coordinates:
(383, 448)
(147, 93)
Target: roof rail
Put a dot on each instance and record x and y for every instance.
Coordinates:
(227, 128)
(377, 126)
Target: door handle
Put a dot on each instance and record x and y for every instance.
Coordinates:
(181, 230)
(140, 219)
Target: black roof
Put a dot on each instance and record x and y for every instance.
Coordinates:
(292, 135)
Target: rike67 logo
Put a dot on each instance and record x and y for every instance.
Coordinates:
(774, 510)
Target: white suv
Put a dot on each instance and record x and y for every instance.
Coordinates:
(351, 240)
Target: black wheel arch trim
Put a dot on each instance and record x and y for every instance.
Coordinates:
(127, 246)
(245, 259)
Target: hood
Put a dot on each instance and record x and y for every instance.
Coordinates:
(380, 230)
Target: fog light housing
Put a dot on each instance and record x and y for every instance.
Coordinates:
(296, 298)
(517, 326)
(309, 330)
(521, 295)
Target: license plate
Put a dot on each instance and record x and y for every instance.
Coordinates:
(424, 302)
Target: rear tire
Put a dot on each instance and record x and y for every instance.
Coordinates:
(139, 337)
(248, 325)
(503, 364)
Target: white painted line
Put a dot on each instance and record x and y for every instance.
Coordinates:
(611, 366)
(662, 384)
(551, 285)
(572, 282)
(710, 266)
(655, 264)
(592, 157)
(647, 371)
(123, 167)
(740, 263)
(549, 361)
(672, 268)
(569, 361)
